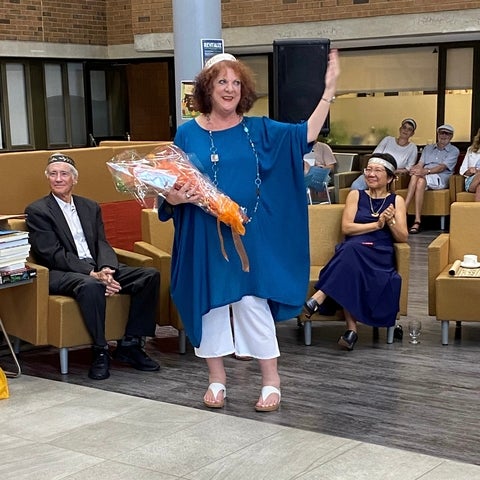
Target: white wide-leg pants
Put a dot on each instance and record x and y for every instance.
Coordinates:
(251, 331)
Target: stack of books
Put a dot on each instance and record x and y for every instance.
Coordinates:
(14, 251)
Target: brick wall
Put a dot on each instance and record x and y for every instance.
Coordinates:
(152, 16)
(58, 21)
(155, 16)
(102, 22)
(243, 13)
(119, 22)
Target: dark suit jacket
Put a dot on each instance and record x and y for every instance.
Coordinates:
(52, 242)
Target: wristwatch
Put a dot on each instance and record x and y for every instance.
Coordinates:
(328, 100)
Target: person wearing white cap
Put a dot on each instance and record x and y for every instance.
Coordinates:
(403, 150)
(470, 167)
(257, 162)
(433, 171)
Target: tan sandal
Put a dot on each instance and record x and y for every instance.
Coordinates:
(266, 391)
(216, 388)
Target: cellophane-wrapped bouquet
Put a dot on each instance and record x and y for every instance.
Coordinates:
(168, 167)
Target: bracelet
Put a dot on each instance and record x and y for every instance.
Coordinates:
(328, 100)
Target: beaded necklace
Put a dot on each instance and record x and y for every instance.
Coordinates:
(215, 159)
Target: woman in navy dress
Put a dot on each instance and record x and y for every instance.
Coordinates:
(361, 276)
(258, 162)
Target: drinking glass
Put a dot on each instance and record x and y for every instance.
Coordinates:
(414, 330)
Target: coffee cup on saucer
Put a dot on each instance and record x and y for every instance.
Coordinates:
(470, 261)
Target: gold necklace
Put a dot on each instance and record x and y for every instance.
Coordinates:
(376, 213)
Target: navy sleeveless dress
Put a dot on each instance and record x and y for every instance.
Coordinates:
(361, 276)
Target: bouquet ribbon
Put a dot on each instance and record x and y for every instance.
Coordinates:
(168, 167)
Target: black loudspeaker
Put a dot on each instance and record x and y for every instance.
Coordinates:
(299, 67)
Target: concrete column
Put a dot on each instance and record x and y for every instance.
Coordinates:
(192, 21)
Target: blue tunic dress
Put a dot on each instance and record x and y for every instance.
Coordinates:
(276, 238)
(361, 276)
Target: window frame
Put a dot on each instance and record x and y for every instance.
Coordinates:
(5, 107)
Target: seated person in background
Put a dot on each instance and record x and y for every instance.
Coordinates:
(470, 168)
(323, 156)
(403, 150)
(318, 167)
(320, 156)
(361, 276)
(432, 172)
(67, 236)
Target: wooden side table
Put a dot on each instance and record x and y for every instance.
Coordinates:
(5, 334)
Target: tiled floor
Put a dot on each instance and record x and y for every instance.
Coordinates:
(53, 430)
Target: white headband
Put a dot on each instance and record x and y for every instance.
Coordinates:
(219, 58)
(383, 162)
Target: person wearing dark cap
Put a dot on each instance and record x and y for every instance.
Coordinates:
(401, 147)
(67, 236)
(432, 172)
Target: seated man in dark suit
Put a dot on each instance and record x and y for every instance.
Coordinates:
(67, 236)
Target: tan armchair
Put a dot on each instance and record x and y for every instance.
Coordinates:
(347, 169)
(157, 242)
(436, 202)
(30, 314)
(325, 232)
(457, 189)
(454, 298)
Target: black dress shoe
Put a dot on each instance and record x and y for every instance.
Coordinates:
(348, 340)
(310, 307)
(100, 365)
(135, 356)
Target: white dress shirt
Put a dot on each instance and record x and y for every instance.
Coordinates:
(71, 216)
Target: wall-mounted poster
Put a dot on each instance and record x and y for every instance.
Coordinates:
(209, 48)
(188, 110)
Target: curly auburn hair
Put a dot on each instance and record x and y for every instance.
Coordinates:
(203, 86)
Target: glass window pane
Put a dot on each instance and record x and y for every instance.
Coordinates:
(17, 104)
(100, 116)
(371, 102)
(458, 94)
(57, 131)
(76, 93)
(388, 70)
(259, 66)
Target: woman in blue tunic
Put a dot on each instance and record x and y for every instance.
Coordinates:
(361, 276)
(258, 163)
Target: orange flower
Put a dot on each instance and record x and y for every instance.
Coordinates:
(168, 167)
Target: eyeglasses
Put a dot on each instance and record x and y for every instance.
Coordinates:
(444, 132)
(375, 171)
